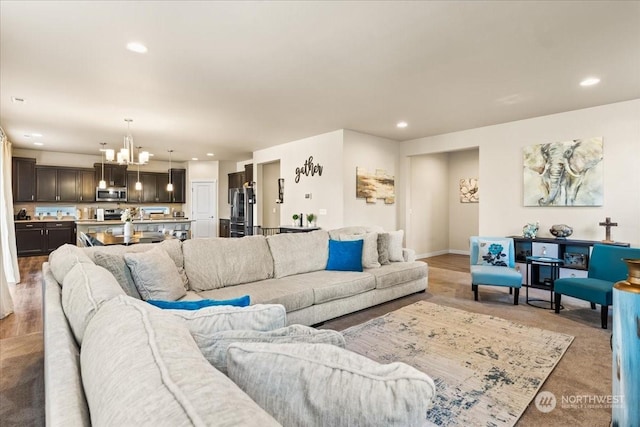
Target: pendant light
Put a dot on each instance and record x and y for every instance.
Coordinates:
(138, 183)
(126, 155)
(170, 184)
(102, 184)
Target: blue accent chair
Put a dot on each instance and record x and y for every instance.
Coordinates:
(494, 275)
(606, 267)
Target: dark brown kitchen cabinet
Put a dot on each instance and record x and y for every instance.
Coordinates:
(114, 175)
(248, 173)
(86, 185)
(56, 184)
(162, 193)
(23, 179)
(133, 195)
(30, 238)
(179, 180)
(37, 238)
(224, 228)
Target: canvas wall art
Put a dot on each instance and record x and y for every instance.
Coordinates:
(566, 173)
(469, 190)
(378, 185)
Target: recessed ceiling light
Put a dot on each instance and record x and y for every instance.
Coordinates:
(210, 154)
(18, 100)
(590, 81)
(137, 47)
(194, 158)
(402, 125)
(38, 143)
(37, 135)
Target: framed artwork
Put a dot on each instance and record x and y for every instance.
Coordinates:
(375, 186)
(469, 190)
(566, 173)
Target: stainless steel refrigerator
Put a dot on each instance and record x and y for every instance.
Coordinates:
(242, 201)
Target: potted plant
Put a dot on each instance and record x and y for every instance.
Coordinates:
(311, 220)
(296, 217)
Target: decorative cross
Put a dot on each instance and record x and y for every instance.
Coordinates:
(608, 224)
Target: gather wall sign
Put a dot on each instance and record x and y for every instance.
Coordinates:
(309, 168)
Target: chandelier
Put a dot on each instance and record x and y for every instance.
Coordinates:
(126, 155)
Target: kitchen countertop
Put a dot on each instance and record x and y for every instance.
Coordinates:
(48, 219)
(136, 221)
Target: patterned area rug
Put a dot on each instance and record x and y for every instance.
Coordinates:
(487, 370)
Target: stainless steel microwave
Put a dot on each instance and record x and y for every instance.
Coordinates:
(111, 194)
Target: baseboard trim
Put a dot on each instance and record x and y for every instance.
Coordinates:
(442, 252)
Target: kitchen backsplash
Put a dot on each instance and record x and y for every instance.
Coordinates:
(50, 210)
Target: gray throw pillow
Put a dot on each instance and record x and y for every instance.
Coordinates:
(395, 246)
(116, 265)
(325, 385)
(155, 275)
(384, 240)
(369, 248)
(214, 346)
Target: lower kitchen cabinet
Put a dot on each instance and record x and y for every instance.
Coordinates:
(40, 238)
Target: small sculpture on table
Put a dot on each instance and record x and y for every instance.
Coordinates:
(561, 231)
(530, 230)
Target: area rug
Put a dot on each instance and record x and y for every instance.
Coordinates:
(487, 370)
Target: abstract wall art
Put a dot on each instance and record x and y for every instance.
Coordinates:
(379, 185)
(469, 190)
(566, 173)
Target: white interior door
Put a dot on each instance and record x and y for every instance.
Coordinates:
(204, 206)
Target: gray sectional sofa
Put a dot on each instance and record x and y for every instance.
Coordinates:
(91, 307)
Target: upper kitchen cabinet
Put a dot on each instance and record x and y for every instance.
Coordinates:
(248, 173)
(56, 184)
(23, 179)
(114, 175)
(86, 185)
(179, 178)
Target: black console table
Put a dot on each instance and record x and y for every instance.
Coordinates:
(574, 255)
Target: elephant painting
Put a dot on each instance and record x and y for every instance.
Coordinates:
(567, 173)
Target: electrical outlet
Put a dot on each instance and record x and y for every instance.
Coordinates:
(307, 195)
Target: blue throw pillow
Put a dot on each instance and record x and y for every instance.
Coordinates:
(196, 305)
(345, 255)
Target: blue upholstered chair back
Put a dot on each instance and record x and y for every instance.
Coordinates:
(606, 262)
(473, 243)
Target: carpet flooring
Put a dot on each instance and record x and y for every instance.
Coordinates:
(487, 370)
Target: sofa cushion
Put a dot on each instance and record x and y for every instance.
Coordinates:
(62, 260)
(397, 273)
(173, 248)
(115, 265)
(140, 366)
(325, 385)
(259, 317)
(288, 291)
(395, 246)
(332, 285)
(384, 240)
(155, 275)
(84, 289)
(345, 256)
(215, 263)
(214, 346)
(295, 253)
(369, 248)
(357, 229)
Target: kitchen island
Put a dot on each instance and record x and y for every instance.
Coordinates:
(179, 227)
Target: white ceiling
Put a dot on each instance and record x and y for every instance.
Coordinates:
(234, 77)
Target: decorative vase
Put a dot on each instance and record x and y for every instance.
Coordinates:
(626, 347)
(128, 229)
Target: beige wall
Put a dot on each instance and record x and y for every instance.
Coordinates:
(429, 195)
(463, 217)
(501, 210)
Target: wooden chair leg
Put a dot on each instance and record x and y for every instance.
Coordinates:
(475, 292)
(604, 315)
(556, 299)
(593, 306)
(516, 295)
